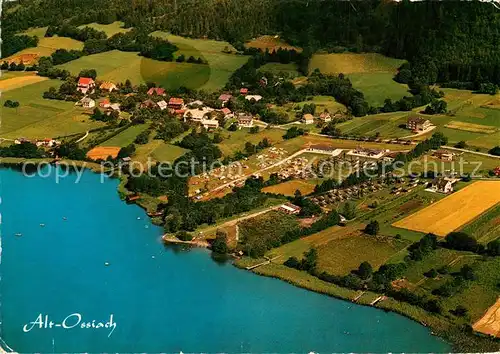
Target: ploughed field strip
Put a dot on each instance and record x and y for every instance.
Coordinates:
(452, 212)
(490, 322)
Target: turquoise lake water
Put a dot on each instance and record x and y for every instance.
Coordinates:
(162, 299)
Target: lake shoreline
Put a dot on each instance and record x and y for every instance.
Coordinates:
(460, 341)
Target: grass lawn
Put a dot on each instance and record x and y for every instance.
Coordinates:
(277, 68)
(235, 141)
(36, 31)
(354, 63)
(388, 125)
(271, 43)
(158, 150)
(119, 66)
(126, 137)
(40, 118)
(371, 73)
(288, 188)
(110, 30)
(378, 86)
(220, 65)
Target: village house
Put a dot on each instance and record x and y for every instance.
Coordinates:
(289, 208)
(21, 141)
(243, 91)
(417, 123)
(225, 98)
(107, 86)
(227, 113)
(162, 104)
(245, 121)
(114, 107)
(442, 184)
(175, 103)
(496, 171)
(105, 103)
(325, 117)
(256, 98)
(210, 124)
(86, 85)
(86, 102)
(195, 104)
(149, 104)
(197, 114)
(444, 155)
(47, 142)
(308, 118)
(156, 91)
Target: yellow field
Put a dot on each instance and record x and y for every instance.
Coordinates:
(452, 212)
(47, 46)
(490, 322)
(102, 152)
(21, 81)
(288, 188)
(470, 127)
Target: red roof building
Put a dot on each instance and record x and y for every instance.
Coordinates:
(86, 84)
(225, 97)
(243, 91)
(156, 90)
(496, 171)
(175, 103)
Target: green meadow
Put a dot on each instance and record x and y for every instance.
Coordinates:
(110, 29)
(37, 117)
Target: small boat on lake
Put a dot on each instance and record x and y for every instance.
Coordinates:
(19, 234)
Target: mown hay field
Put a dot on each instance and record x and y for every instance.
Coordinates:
(20, 81)
(452, 212)
(126, 137)
(471, 127)
(47, 46)
(288, 188)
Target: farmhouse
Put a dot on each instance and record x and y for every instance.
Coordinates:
(105, 103)
(210, 124)
(114, 107)
(289, 208)
(366, 153)
(444, 155)
(417, 123)
(148, 104)
(256, 98)
(162, 104)
(197, 114)
(175, 103)
(442, 184)
(307, 118)
(86, 102)
(47, 142)
(496, 171)
(227, 113)
(225, 98)
(324, 149)
(243, 91)
(156, 91)
(325, 117)
(245, 121)
(86, 84)
(107, 86)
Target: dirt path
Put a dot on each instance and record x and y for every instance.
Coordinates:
(83, 137)
(423, 132)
